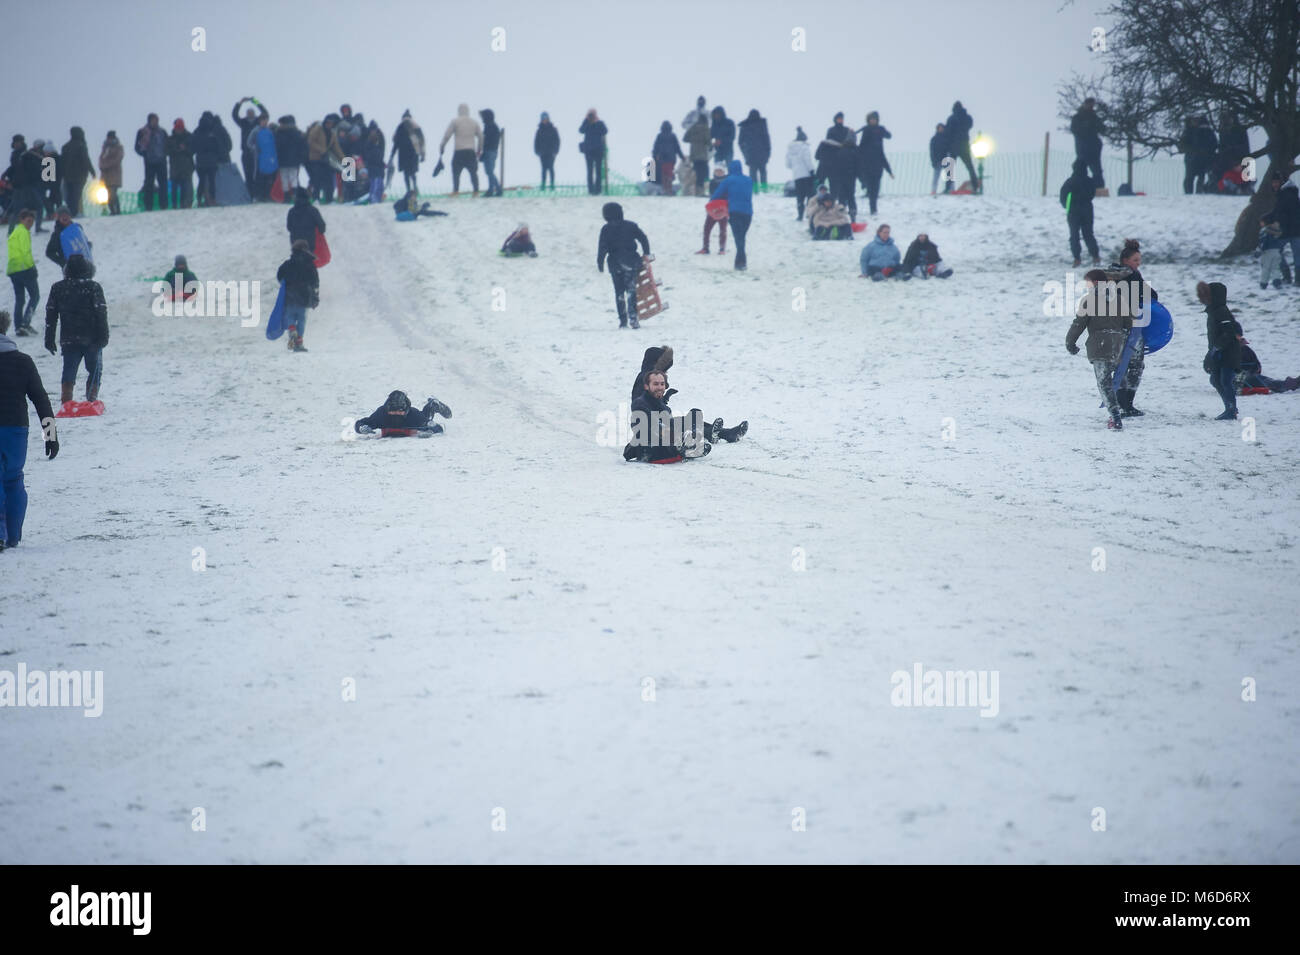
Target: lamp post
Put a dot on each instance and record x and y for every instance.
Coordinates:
(981, 149)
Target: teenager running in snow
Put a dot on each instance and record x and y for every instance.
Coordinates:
(619, 238)
(301, 291)
(922, 260)
(78, 301)
(1105, 315)
(519, 242)
(19, 383)
(880, 258)
(798, 159)
(1126, 270)
(395, 418)
(738, 190)
(1223, 359)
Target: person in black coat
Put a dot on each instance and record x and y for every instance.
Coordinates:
(77, 168)
(78, 301)
(546, 146)
(938, 153)
(301, 291)
(395, 418)
(1198, 144)
(291, 153)
(491, 146)
(958, 129)
(1286, 215)
(1086, 128)
(211, 146)
(722, 131)
(659, 438)
(1077, 194)
(619, 239)
(665, 152)
(837, 164)
(304, 220)
(871, 157)
(20, 382)
(755, 146)
(1225, 339)
(593, 132)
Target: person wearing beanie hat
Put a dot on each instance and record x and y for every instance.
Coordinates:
(182, 284)
(798, 159)
(67, 240)
(304, 219)
(180, 159)
(546, 146)
(619, 238)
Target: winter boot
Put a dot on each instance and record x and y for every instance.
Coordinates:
(434, 406)
(713, 432)
(1115, 424)
(66, 392)
(733, 434)
(1125, 398)
(1229, 414)
(293, 337)
(92, 391)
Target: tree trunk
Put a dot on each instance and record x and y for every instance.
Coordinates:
(1245, 236)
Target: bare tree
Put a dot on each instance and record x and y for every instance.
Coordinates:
(1166, 60)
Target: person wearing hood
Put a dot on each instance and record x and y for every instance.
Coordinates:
(618, 243)
(20, 382)
(1223, 359)
(738, 190)
(491, 144)
(304, 220)
(593, 132)
(372, 154)
(77, 168)
(1077, 194)
(958, 129)
(880, 258)
(324, 155)
(301, 291)
(697, 114)
(827, 219)
(871, 157)
(262, 141)
(67, 240)
(180, 156)
(466, 137)
(546, 146)
(1285, 216)
(181, 282)
(248, 125)
(78, 302)
(922, 259)
(212, 146)
(755, 146)
(723, 133)
(1086, 128)
(519, 242)
(665, 152)
(111, 155)
(837, 164)
(21, 269)
(151, 146)
(938, 153)
(1108, 318)
(291, 153)
(697, 137)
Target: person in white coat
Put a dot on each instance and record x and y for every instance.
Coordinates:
(798, 159)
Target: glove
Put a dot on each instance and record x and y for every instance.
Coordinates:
(52, 449)
(51, 349)
(364, 429)
(1072, 349)
(669, 393)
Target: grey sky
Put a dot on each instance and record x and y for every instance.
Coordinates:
(638, 64)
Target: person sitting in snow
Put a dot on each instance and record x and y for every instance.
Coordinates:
(395, 418)
(828, 219)
(519, 242)
(1250, 378)
(922, 259)
(408, 209)
(181, 290)
(654, 368)
(880, 258)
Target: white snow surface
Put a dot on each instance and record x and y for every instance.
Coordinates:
(523, 688)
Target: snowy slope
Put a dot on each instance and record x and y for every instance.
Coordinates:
(522, 688)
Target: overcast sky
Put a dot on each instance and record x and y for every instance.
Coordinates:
(637, 63)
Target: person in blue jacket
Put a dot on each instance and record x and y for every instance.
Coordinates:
(738, 190)
(880, 258)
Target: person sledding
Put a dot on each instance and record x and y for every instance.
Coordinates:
(78, 302)
(395, 418)
(828, 219)
(650, 395)
(922, 260)
(519, 242)
(408, 208)
(1251, 380)
(618, 243)
(183, 283)
(301, 291)
(880, 258)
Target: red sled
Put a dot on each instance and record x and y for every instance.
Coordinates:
(647, 291)
(81, 409)
(858, 227)
(321, 251)
(717, 209)
(277, 190)
(1255, 391)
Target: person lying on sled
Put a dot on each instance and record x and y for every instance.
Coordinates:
(395, 418)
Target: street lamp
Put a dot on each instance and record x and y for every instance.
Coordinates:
(981, 149)
(101, 193)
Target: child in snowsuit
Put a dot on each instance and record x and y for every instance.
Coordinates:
(181, 291)
(619, 238)
(395, 418)
(1271, 245)
(922, 259)
(1101, 312)
(1224, 335)
(519, 242)
(715, 213)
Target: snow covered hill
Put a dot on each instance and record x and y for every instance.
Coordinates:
(621, 662)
